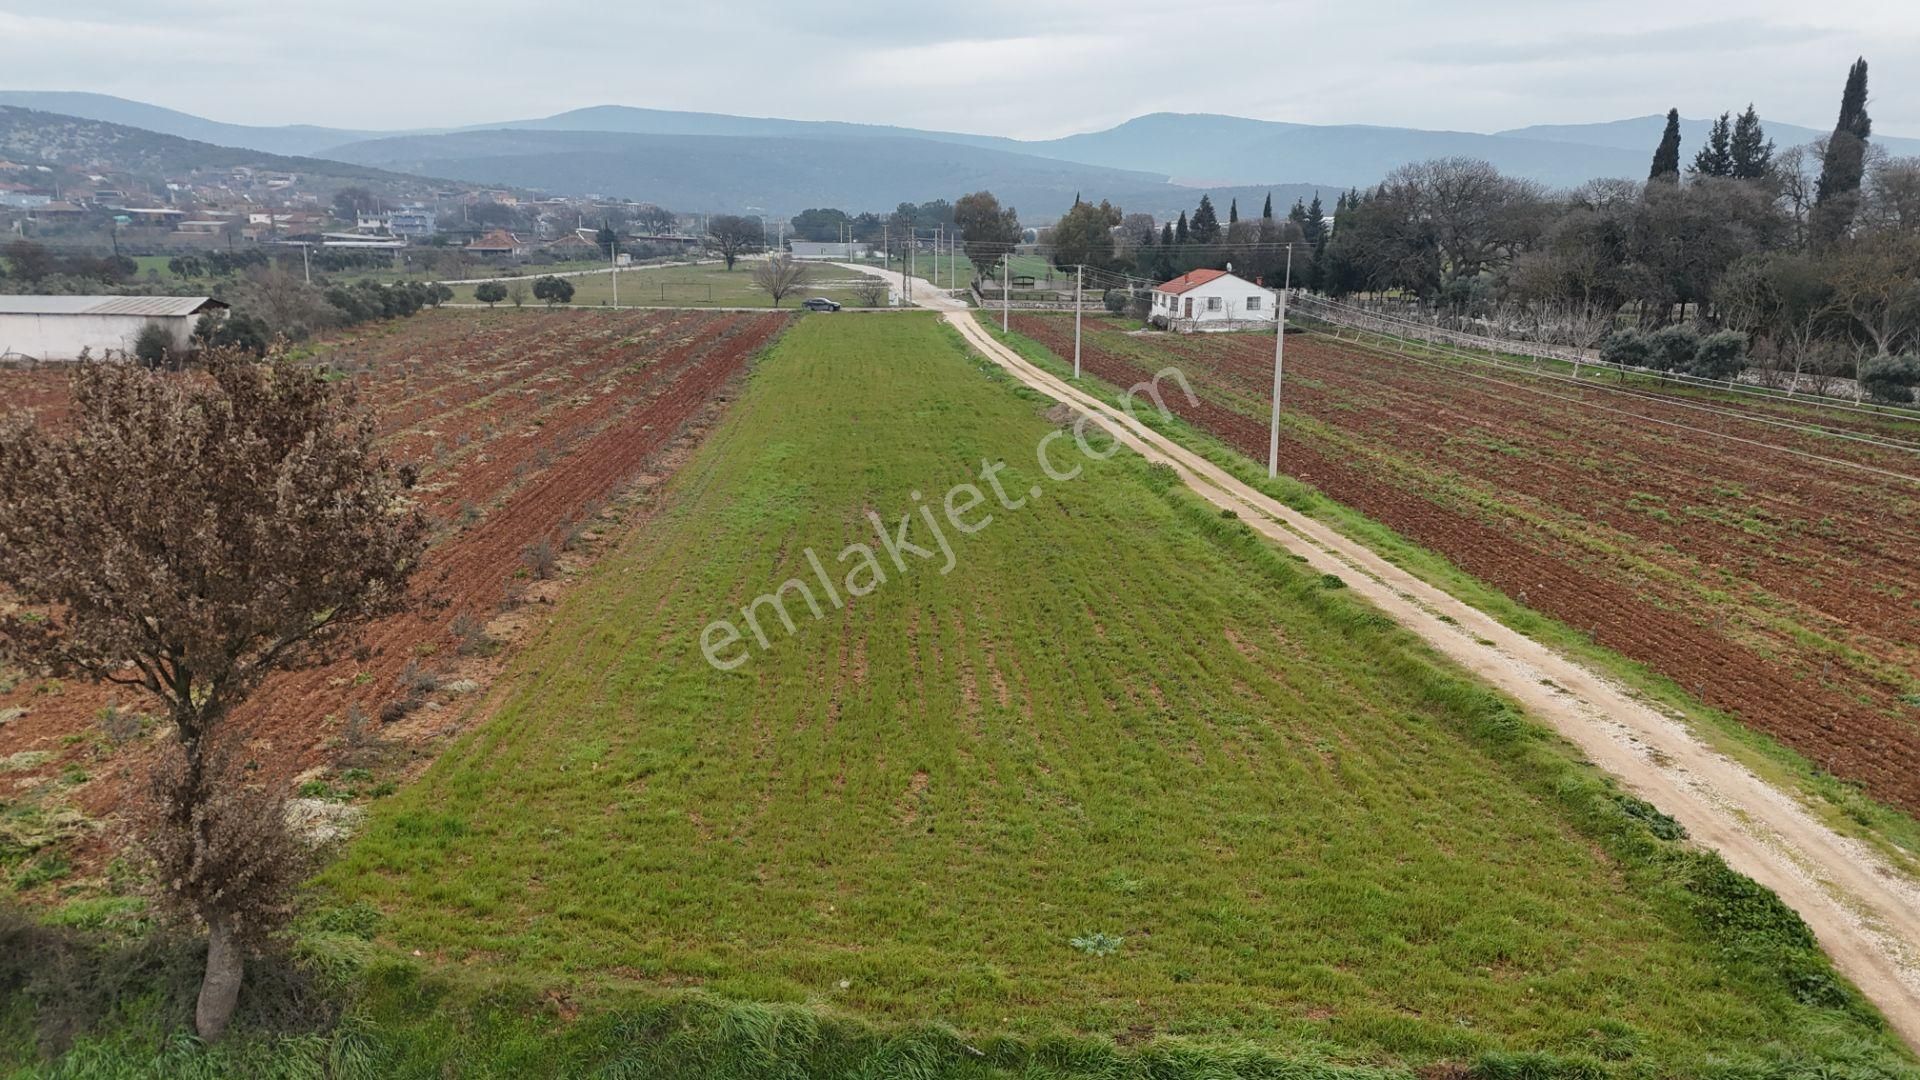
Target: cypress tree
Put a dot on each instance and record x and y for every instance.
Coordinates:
(1316, 221)
(1180, 233)
(1205, 227)
(1233, 212)
(1266, 212)
(1666, 159)
(1752, 150)
(1716, 158)
(1837, 196)
(1166, 235)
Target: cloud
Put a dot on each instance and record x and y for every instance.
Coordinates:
(1003, 67)
(1695, 39)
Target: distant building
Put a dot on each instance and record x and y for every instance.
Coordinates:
(62, 327)
(579, 244)
(360, 240)
(1211, 300)
(23, 200)
(497, 242)
(155, 217)
(412, 222)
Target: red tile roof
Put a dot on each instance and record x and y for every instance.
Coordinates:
(1191, 280)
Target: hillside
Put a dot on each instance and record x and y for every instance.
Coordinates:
(1194, 149)
(1643, 132)
(52, 139)
(783, 175)
(299, 140)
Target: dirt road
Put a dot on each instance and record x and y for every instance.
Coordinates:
(1865, 913)
(924, 293)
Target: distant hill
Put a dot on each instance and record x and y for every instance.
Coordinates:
(1150, 163)
(31, 136)
(294, 139)
(1210, 149)
(778, 174)
(1643, 132)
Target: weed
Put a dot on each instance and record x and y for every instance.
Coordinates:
(540, 559)
(1097, 944)
(470, 636)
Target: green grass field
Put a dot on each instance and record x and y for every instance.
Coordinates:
(1125, 777)
(693, 286)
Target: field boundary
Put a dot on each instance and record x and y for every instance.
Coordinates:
(1864, 913)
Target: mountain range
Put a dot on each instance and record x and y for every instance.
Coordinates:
(715, 161)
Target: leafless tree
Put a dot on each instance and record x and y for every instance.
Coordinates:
(732, 236)
(778, 276)
(872, 291)
(188, 537)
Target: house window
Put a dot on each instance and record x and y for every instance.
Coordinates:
(1253, 303)
(1213, 303)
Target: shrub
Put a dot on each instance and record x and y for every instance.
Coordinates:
(1628, 348)
(553, 290)
(153, 346)
(489, 292)
(1891, 378)
(1116, 300)
(541, 559)
(1720, 356)
(1672, 348)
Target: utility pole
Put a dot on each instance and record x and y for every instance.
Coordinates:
(1006, 290)
(613, 257)
(306, 260)
(1079, 276)
(1279, 365)
(886, 251)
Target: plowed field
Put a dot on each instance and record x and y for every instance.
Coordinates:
(524, 426)
(1772, 584)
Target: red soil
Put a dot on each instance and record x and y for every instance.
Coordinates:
(537, 421)
(1710, 561)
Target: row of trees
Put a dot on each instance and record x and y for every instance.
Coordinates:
(1812, 253)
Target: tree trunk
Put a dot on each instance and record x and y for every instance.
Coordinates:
(220, 990)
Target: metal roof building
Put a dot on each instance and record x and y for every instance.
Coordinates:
(63, 327)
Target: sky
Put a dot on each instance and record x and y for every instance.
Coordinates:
(999, 67)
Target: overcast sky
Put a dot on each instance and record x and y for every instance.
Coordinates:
(1004, 67)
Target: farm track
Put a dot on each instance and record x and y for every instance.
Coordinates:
(559, 414)
(1778, 589)
(1864, 913)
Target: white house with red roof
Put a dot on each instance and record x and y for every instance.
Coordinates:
(1211, 300)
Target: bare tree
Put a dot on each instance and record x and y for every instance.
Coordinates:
(732, 235)
(188, 537)
(778, 275)
(1893, 196)
(1876, 282)
(872, 291)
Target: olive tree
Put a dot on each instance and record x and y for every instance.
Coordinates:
(188, 536)
(554, 290)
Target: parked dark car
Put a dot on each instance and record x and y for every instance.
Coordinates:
(819, 303)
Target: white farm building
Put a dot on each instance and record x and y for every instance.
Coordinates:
(1211, 300)
(62, 327)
